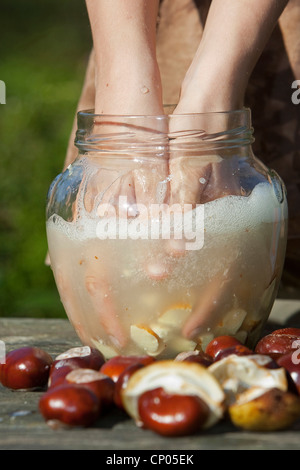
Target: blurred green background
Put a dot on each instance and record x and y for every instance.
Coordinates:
(44, 49)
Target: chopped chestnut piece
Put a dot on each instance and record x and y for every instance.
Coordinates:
(26, 368)
(246, 371)
(170, 414)
(69, 404)
(116, 365)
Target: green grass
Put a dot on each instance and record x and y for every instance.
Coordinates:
(43, 53)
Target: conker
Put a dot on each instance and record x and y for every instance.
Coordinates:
(286, 331)
(218, 344)
(70, 404)
(82, 356)
(58, 375)
(26, 368)
(74, 358)
(100, 384)
(238, 350)
(291, 363)
(122, 381)
(278, 343)
(114, 366)
(197, 356)
(171, 414)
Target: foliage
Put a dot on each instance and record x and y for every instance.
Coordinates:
(44, 49)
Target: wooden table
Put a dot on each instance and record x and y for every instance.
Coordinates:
(23, 428)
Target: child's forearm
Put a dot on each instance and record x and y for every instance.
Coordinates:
(124, 37)
(234, 37)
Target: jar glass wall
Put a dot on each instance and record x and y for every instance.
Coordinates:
(165, 232)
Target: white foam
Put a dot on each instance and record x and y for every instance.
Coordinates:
(225, 215)
(233, 213)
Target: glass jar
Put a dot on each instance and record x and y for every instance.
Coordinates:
(165, 232)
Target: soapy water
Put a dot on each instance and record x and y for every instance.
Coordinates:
(227, 214)
(155, 221)
(140, 294)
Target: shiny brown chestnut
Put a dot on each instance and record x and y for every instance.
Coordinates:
(218, 344)
(58, 375)
(71, 405)
(176, 378)
(197, 356)
(100, 384)
(291, 331)
(82, 356)
(122, 381)
(171, 414)
(79, 357)
(114, 366)
(26, 368)
(237, 349)
(278, 343)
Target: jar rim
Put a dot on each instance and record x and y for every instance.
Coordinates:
(90, 112)
(143, 133)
